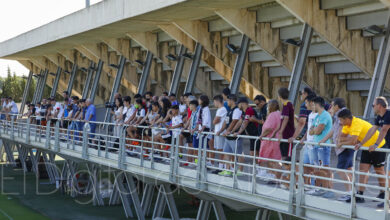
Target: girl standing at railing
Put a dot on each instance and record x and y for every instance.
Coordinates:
(203, 123)
(118, 117)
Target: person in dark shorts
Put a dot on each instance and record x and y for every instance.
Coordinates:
(361, 133)
(287, 128)
(382, 122)
(250, 128)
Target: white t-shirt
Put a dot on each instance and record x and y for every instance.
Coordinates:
(236, 115)
(140, 113)
(130, 111)
(206, 118)
(221, 113)
(4, 105)
(310, 122)
(57, 108)
(176, 120)
(38, 113)
(13, 107)
(182, 108)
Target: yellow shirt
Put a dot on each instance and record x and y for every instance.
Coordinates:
(360, 128)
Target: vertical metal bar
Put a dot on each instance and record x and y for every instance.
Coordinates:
(43, 84)
(194, 68)
(71, 80)
(145, 73)
(380, 73)
(115, 87)
(300, 63)
(353, 186)
(38, 85)
(239, 65)
(56, 81)
(292, 180)
(178, 70)
(25, 92)
(91, 69)
(96, 80)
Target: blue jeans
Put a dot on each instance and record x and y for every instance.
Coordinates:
(318, 154)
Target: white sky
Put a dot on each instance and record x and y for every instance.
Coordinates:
(19, 16)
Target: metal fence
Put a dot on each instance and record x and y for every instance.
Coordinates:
(183, 162)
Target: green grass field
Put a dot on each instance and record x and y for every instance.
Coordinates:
(11, 208)
(26, 204)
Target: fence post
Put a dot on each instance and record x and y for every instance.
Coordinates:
(292, 179)
(47, 143)
(353, 186)
(85, 141)
(28, 132)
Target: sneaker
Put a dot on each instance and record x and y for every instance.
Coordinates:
(344, 198)
(270, 177)
(225, 173)
(328, 195)
(310, 191)
(216, 171)
(358, 200)
(381, 195)
(196, 161)
(381, 205)
(209, 164)
(239, 173)
(319, 192)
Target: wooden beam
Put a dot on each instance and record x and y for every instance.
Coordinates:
(266, 37)
(44, 63)
(190, 32)
(386, 3)
(94, 53)
(333, 29)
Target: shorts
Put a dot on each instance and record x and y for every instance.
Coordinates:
(195, 141)
(318, 154)
(252, 144)
(286, 150)
(43, 122)
(65, 124)
(306, 154)
(2, 117)
(219, 142)
(375, 158)
(188, 137)
(230, 146)
(345, 159)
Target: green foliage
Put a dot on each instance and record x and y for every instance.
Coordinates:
(13, 86)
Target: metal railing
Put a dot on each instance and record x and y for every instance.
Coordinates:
(181, 163)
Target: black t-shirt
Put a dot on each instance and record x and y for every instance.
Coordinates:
(262, 115)
(381, 121)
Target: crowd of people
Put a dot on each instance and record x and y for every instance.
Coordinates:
(189, 121)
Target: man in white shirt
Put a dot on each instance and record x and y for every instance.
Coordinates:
(177, 121)
(12, 108)
(218, 121)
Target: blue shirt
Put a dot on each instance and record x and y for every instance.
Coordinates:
(75, 108)
(326, 119)
(225, 104)
(91, 110)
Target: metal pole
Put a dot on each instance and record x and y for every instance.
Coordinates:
(39, 80)
(239, 65)
(380, 73)
(87, 3)
(194, 68)
(116, 85)
(71, 80)
(43, 84)
(56, 81)
(178, 71)
(91, 69)
(25, 92)
(300, 63)
(145, 73)
(96, 80)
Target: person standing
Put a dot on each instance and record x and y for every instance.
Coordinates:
(261, 104)
(218, 121)
(320, 155)
(90, 118)
(382, 122)
(361, 133)
(287, 128)
(344, 155)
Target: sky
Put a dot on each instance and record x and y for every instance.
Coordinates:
(20, 16)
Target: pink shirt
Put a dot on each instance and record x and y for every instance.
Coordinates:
(273, 122)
